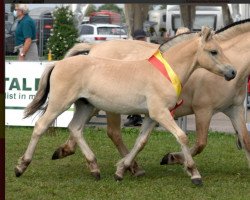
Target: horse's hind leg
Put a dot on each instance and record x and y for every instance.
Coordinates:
(114, 133)
(69, 147)
(82, 114)
(42, 124)
(237, 117)
(66, 149)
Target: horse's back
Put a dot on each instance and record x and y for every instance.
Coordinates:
(85, 68)
(128, 50)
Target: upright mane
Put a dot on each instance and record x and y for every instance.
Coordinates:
(233, 29)
(175, 40)
(224, 33)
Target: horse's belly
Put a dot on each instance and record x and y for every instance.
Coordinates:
(121, 107)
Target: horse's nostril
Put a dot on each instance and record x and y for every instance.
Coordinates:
(230, 74)
(234, 72)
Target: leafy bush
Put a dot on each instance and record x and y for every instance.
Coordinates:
(64, 33)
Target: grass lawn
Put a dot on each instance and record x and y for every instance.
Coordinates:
(11, 57)
(14, 58)
(223, 168)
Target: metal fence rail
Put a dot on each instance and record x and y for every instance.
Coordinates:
(101, 120)
(43, 27)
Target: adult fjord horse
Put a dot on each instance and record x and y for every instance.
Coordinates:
(204, 94)
(217, 96)
(103, 83)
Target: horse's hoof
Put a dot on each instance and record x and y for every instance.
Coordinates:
(197, 181)
(56, 154)
(165, 159)
(97, 175)
(238, 144)
(17, 172)
(139, 173)
(61, 153)
(118, 178)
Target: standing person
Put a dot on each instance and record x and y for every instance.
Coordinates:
(25, 37)
(136, 120)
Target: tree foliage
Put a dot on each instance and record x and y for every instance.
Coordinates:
(110, 7)
(64, 33)
(92, 8)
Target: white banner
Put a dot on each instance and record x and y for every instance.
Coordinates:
(21, 83)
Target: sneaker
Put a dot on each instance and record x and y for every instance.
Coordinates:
(138, 120)
(133, 120)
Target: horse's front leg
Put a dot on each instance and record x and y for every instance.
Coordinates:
(166, 120)
(114, 133)
(83, 112)
(237, 117)
(202, 120)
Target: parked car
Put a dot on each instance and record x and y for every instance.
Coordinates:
(94, 33)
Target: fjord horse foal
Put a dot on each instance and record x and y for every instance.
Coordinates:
(102, 83)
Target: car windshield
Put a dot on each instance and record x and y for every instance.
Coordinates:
(111, 31)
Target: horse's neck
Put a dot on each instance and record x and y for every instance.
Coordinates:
(237, 50)
(181, 58)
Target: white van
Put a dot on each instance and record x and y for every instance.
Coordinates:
(158, 19)
(205, 16)
(244, 11)
(239, 11)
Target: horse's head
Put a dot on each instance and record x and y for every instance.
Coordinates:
(211, 57)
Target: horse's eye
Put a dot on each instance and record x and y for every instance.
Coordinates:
(214, 52)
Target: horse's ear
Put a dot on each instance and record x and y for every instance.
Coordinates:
(206, 33)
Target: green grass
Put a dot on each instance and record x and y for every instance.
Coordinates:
(11, 58)
(223, 168)
(14, 58)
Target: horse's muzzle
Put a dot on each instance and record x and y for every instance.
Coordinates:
(230, 73)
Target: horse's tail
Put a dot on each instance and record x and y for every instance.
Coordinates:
(81, 48)
(42, 92)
